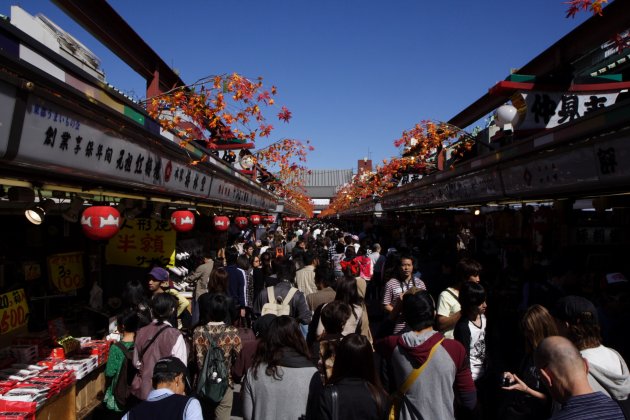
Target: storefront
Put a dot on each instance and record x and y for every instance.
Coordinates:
(92, 194)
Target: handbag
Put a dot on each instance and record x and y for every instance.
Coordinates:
(394, 410)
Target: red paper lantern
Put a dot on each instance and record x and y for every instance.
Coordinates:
(241, 222)
(183, 220)
(100, 222)
(255, 219)
(221, 223)
(269, 219)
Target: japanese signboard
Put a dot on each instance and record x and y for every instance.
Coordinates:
(56, 138)
(551, 109)
(141, 243)
(66, 271)
(13, 311)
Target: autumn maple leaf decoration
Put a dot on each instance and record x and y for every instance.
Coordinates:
(284, 114)
(575, 6)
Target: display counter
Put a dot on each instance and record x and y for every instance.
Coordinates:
(78, 401)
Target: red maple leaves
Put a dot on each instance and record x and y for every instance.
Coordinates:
(575, 6)
(284, 114)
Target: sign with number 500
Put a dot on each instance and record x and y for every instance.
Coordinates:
(13, 311)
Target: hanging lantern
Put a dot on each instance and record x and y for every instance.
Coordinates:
(183, 220)
(221, 223)
(100, 222)
(268, 219)
(255, 219)
(241, 222)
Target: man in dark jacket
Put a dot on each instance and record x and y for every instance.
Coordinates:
(237, 281)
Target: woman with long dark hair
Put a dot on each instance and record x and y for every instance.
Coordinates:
(359, 392)
(281, 372)
(217, 285)
(218, 281)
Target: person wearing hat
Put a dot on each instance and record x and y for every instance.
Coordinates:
(159, 282)
(168, 399)
(608, 371)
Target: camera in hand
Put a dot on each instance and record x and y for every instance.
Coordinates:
(506, 382)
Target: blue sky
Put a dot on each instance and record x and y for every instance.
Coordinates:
(355, 73)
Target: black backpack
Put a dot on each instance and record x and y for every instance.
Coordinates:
(122, 388)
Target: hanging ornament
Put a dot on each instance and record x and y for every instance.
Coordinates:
(183, 220)
(221, 223)
(255, 219)
(100, 222)
(241, 222)
(268, 219)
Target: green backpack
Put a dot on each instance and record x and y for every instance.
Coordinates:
(213, 378)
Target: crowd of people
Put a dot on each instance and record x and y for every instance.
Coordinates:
(319, 323)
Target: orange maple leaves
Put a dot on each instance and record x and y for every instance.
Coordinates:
(420, 149)
(231, 107)
(224, 106)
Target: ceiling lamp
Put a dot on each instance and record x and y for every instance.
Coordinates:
(74, 211)
(36, 212)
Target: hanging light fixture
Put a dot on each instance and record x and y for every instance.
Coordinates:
(36, 212)
(74, 211)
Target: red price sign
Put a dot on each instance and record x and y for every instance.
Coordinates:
(66, 271)
(13, 311)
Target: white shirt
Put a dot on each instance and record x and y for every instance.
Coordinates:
(477, 348)
(447, 306)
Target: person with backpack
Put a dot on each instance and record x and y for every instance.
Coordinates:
(284, 298)
(216, 346)
(157, 340)
(120, 364)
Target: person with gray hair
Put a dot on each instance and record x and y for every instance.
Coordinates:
(565, 372)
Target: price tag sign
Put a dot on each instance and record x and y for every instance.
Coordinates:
(13, 311)
(66, 271)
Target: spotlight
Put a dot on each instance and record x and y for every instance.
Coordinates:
(74, 211)
(36, 212)
(477, 212)
(158, 209)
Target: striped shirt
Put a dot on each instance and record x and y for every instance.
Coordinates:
(588, 407)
